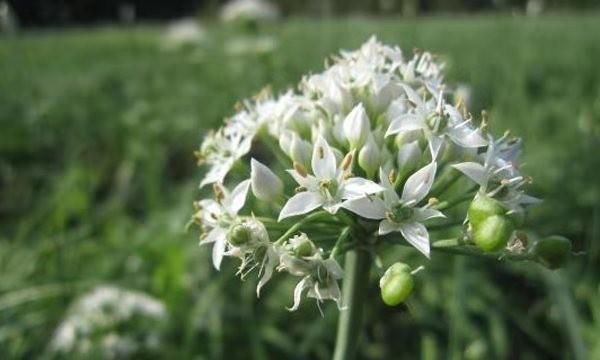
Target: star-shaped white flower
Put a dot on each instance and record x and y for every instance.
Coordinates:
(330, 185)
(218, 215)
(221, 149)
(400, 213)
(436, 119)
(499, 175)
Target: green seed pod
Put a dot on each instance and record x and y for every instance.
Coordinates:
(493, 233)
(483, 207)
(396, 284)
(239, 235)
(553, 251)
(304, 248)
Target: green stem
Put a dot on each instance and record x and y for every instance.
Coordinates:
(340, 241)
(297, 225)
(356, 278)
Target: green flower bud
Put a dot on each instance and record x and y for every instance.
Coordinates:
(396, 284)
(304, 248)
(553, 251)
(493, 233)
(239, 234)
(483, 207)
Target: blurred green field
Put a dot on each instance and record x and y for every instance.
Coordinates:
(97, 179)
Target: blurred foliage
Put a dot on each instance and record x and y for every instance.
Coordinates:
(97, 178)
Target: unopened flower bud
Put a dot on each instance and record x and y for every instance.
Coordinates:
(369, 157)
(493, 233)
(285, 142)
(265, 184)
(409, 157)
(357, 126)
(483, 207)
(396, 284)
(552, 251)
(300, 150)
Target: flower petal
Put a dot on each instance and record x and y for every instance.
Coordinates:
(367, 207)
(386, 227)
(300, 287)
(358, 187)
(236, 200)
(416, 234)
(323, 160)
(468, 137)
(435, 144)
(218, 250)
(406, 122)
(300, 203)
(418, 184)
(265, 184)
(217, 172)
(268, 264)
(473, 171)
(423, 214)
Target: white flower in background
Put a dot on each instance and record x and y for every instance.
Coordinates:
(265, 184)
(112, 323)
(330, 185)
(400, 213)
(218, 215)
(184, 32)
(248, 10)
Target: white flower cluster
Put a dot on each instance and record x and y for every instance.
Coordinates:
(248, 10)
(364, 142)
(111, 323)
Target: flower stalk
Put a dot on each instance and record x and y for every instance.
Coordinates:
(356, 279)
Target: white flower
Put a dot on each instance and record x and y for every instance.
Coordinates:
(499, 175)
(221, 149)
(248, 10)
(265, 184)
(256, 251)
(95, 321)
(401, 213)
(330, 185)
(218, 215)
(357, 126)
(436, 120)
(319, 276)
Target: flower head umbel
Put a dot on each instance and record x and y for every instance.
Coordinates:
(370, 145)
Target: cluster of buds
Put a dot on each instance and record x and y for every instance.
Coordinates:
(368, 148)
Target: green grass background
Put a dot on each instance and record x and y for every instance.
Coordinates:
(97, 177)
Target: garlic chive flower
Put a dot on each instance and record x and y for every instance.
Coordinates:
(401, 213)
(329, 187)
(218, 215)
(369, 145)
